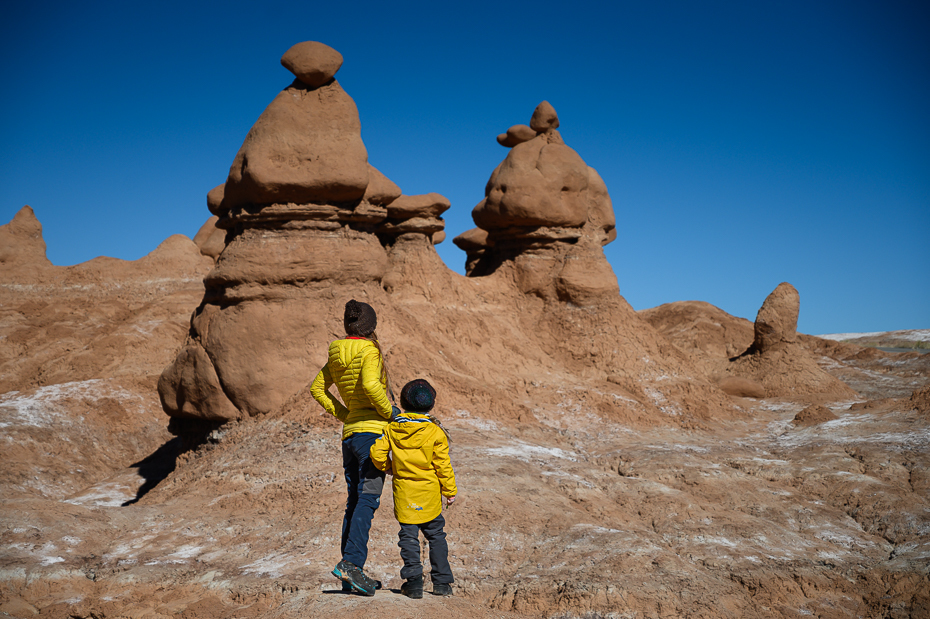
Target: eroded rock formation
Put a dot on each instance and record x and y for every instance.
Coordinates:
(767, 358)
(22, 247)
(310, 223)
(302, 208)
(776, 359)
(103, 317)
(547, 211)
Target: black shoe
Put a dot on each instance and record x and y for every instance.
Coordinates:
(442, 588)
(413, 587)
(352, 574)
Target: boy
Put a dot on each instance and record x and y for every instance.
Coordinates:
(415, 449)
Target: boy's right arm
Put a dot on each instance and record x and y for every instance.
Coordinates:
(320, 392)
(380, 454)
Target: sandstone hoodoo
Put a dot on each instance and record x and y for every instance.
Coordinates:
(547, 211)
(776, 359)
(301, 208)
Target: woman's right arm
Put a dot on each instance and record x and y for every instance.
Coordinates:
(320, 392)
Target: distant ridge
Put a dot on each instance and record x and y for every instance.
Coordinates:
(907, 338)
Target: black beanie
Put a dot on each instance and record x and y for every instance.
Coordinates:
(360, 319)
(418, 396)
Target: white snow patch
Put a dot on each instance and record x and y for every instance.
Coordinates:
(715, 541)
(911, 335)
(44, 409)
(524, 451)
(186, 552)
(464, 416)
(271, 565)
(661, 403)
(110, 494)
(839, 337)
(603, 530)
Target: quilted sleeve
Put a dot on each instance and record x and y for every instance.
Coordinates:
(372, 385)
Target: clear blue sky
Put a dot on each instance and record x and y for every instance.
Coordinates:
(743, 143)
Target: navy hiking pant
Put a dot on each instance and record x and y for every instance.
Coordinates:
(364, 483)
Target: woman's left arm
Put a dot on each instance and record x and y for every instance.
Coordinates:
(372, 385)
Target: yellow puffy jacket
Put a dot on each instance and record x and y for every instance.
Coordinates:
(355, 366)
(417, 451)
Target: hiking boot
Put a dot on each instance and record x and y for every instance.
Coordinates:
(413, 587)
(352, 574)
(347, 588)
(442, 588)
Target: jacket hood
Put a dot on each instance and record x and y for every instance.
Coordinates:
(411, 430)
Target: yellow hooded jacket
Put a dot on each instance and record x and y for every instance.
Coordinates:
(355, 366)
(418, 452)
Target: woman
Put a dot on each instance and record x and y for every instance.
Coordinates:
(356, 366)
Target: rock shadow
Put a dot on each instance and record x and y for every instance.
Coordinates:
(155, 467)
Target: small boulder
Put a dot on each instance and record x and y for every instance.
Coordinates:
(544, 118)
(312, 62)
(814, 414)
(516, 135)
(190, 388)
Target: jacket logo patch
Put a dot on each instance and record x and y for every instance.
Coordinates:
(414, 506)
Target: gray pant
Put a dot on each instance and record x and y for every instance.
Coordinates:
(409, 543)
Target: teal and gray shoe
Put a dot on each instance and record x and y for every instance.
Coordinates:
(355, 577)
